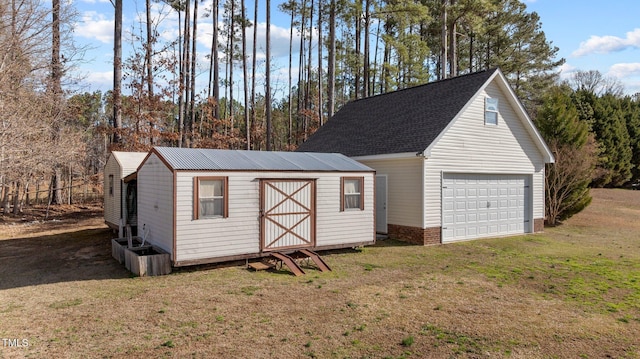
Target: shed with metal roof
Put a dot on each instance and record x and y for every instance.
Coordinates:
(207, 205)
(119, 197)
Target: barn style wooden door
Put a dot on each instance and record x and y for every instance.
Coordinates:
(287, 213)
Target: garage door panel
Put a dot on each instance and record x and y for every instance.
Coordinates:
(480, 205)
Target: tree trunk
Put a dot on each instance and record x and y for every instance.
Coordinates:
(253, 65)
(453, 46)
(320, 114)
(180, 82)
(117, 72)
(149, 50)
(301, 82)
(216, 61)
(230, 61)
(365, 90)
(148, 57)
(247, 124)
(16, 199)
(56, 91)
(267, 85)
(290, 134)
(192, 97)
(331, 76)
(307, 96)
(443, 43)
(187, 75)
(5, 198)
(357, 50)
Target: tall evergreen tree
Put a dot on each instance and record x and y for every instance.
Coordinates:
(567, 180)
(631, 109)
(612, 136)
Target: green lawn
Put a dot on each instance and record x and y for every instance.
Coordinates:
(570, 292)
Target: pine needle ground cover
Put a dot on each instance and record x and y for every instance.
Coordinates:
(570, 292)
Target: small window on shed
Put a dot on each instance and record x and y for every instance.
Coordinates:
(491, 111)
(111, 185)
(352, 196)
(211, 196)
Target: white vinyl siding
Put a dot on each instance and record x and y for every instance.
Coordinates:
(239, 233)
(119, 165)
(471, 147)
(404, 189)
(155, 202)
(112, 201)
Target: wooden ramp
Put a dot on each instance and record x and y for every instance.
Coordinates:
(322, 265)
(293, 266)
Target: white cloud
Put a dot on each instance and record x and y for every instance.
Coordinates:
(95, 26)
(625, 70)
(95, 80)
(607, 44)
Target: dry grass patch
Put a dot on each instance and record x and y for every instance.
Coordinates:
(570, 292)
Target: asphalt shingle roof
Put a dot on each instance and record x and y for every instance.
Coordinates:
(407, 120)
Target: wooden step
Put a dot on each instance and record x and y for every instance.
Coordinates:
(322, 265)
(293, 266)
(260, 265)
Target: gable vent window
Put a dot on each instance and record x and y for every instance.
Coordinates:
(490, 111)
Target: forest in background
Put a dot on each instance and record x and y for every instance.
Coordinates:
(53, 136)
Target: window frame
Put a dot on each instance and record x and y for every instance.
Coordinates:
(487, 110)
(111, 188)
(196, 196)
(343, 195)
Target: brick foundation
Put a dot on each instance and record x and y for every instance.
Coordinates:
(415, 235)
(538, 225)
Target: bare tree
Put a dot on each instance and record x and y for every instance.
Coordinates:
(594, 82)
(566, 193)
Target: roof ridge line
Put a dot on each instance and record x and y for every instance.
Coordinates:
(493, 69)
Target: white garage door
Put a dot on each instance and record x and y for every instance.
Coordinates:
(484, 205)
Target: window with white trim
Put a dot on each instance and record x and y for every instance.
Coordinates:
(352, 196)
(211, 197)
(490, 111)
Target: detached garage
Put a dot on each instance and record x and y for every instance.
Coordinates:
(204, 205)
(456, 159)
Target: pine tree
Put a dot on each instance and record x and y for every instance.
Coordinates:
(567, 180)
(613, 138)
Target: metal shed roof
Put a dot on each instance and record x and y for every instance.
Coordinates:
(213, 159)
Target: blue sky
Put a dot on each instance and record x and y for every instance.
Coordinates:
(591, 35)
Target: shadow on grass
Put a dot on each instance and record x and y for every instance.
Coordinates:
(65, 257)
